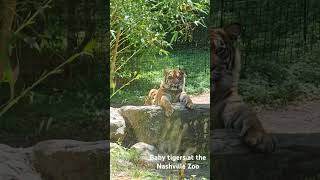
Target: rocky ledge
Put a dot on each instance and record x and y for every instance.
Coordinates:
(55, 160)
(297, 157)
(184, 129)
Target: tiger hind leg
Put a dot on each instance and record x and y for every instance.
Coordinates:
(150, 99)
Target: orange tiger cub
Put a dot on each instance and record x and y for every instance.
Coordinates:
(171, 91)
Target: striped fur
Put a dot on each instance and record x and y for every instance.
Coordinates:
(172, 90)
(228, 108)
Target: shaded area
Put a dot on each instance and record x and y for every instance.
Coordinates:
(279, 47)
(81, 160)
(296, 157)
(71, 102)
(297, 117)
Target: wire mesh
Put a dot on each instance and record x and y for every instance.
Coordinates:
(278, 31)
(191, 56)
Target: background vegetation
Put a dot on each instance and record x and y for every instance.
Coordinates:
(147, 37)
(280, 46)
(52, 56)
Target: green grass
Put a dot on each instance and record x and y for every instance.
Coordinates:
(125, 162)
(194, 62)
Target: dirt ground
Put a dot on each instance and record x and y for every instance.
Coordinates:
(201, 99)
(297, 117)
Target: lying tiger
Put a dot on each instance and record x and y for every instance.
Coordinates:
(171, 91)
(229, 110)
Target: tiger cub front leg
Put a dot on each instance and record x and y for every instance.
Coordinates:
(186, 100)
(166, 104)
(255, 135)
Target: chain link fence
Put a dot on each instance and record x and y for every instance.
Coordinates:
(274, 30)
(196, 59)
(276, 35)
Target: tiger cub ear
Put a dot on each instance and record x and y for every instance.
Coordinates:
(165, 71)
(182, 71)
(233, 30)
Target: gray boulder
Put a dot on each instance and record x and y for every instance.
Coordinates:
(69, 159)
(117, 125)
(146, 151)
(183, 130)
(55, 160)
(297, 157)
(16, 164)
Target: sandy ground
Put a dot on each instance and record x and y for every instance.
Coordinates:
(201, 99)
(297, 117)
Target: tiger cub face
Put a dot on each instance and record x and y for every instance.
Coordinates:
(171, 91)
(174, 79)
(224, 56)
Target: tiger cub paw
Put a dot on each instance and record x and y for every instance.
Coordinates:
(261, 142)
(186, 101)
(189, 104)
(169, 111)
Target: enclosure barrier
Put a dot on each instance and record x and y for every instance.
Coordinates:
(273, 31)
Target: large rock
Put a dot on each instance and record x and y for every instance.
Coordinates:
(297, 157)
(183, 130)
(117, 125)
(16, 164)
(146, 151)
(55, 160)
(68, 159)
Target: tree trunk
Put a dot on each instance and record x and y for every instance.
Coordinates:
(114, 57)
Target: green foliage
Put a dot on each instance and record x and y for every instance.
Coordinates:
(56, 95)
(4, 108)
(278, 84)
(279, 46)
(148, 27)
(44, 113)
(8, 73)
(195, 63)
(127, 162)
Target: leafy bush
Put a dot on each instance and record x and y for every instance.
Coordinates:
(278, 84)
(195, 63)
(140, 28)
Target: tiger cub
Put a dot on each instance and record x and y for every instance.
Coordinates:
(171, 91)
(228, 108)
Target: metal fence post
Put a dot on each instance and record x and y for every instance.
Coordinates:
(221, 13)
(305, 22)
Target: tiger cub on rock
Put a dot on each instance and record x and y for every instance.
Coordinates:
(228, 108)
(171, 91)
